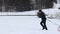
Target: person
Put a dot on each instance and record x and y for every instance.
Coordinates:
(42, 15)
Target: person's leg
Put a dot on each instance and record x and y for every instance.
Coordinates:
(42, 25)
(45, 27)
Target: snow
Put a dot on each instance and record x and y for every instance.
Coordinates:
(33, 12)
(26, 25)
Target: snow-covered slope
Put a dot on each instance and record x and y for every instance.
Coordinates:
(26, 25)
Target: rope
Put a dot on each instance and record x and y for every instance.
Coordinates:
(53, 23)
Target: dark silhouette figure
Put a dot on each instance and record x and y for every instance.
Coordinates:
(41, 15)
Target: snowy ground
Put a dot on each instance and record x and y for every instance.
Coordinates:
(26, 25)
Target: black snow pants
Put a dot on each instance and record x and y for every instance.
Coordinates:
(43, 23)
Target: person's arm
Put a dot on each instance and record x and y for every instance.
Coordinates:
(44, 13)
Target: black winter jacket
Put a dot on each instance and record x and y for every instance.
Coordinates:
(41, 14)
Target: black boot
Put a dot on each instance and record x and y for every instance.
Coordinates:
(46, 28)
